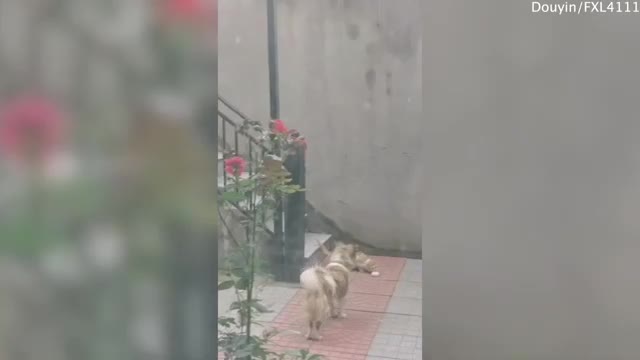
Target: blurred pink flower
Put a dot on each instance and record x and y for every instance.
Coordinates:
(186, 10)
(31, 128)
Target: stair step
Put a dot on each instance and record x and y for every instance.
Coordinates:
(311, 243)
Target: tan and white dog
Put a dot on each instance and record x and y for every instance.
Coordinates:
(326, 288)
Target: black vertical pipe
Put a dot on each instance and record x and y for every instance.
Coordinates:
(277, 247)
(272, 43)
(295, 218)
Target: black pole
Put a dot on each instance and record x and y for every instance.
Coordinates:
(295, 219)
(272, 43)
(277, 247)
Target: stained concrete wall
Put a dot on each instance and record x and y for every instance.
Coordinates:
(350, 77)
(533, 184)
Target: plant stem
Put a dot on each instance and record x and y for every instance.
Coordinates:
(252, 255)
(251, 237)
(36, 203)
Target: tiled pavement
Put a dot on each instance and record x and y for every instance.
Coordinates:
(399, 335)
(384, 315)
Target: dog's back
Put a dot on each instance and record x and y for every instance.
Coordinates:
(326, 286)
(319, 287)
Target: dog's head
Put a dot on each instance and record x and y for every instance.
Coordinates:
(345, 254)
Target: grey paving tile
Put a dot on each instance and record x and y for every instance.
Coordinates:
(275, 297)
(408, 289)
(225, 298)
(383, 351)
(405, 306)
(396, 347)
(412, 271)
(396, 324)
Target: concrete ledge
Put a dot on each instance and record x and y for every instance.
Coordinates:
(312, 252)
(312, 243)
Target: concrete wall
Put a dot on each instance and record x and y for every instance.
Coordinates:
(350, 75)
(533, 184)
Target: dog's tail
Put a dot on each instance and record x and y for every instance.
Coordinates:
(318, 288)
(324, 248)
(326, 252)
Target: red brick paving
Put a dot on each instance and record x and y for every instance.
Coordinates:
(366, 284)
(344, 339)
(367, 302)
(390, 268)
(350, 338)
(355, 301)
(328, 354)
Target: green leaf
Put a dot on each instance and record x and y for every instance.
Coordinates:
(290, 189)
(238, 272)
(315, 357)
(226, 321)
(296, 354)
(237, 305)
(243, 352)
(225, 285)
(259, 307)
(232, 196)
(242, 284)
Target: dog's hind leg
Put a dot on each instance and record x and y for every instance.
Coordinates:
(318, 325)
(340, 308)
(310, 331)
(335, 308)
(314, 330)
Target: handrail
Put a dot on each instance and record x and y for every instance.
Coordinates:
(287, 238)
(234, 109)
(244, 213)
(240, 131)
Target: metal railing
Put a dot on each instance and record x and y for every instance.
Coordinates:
(237, 135)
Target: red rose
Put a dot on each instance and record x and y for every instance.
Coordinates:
(235, 166)
(31, 128)
(279, 127)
